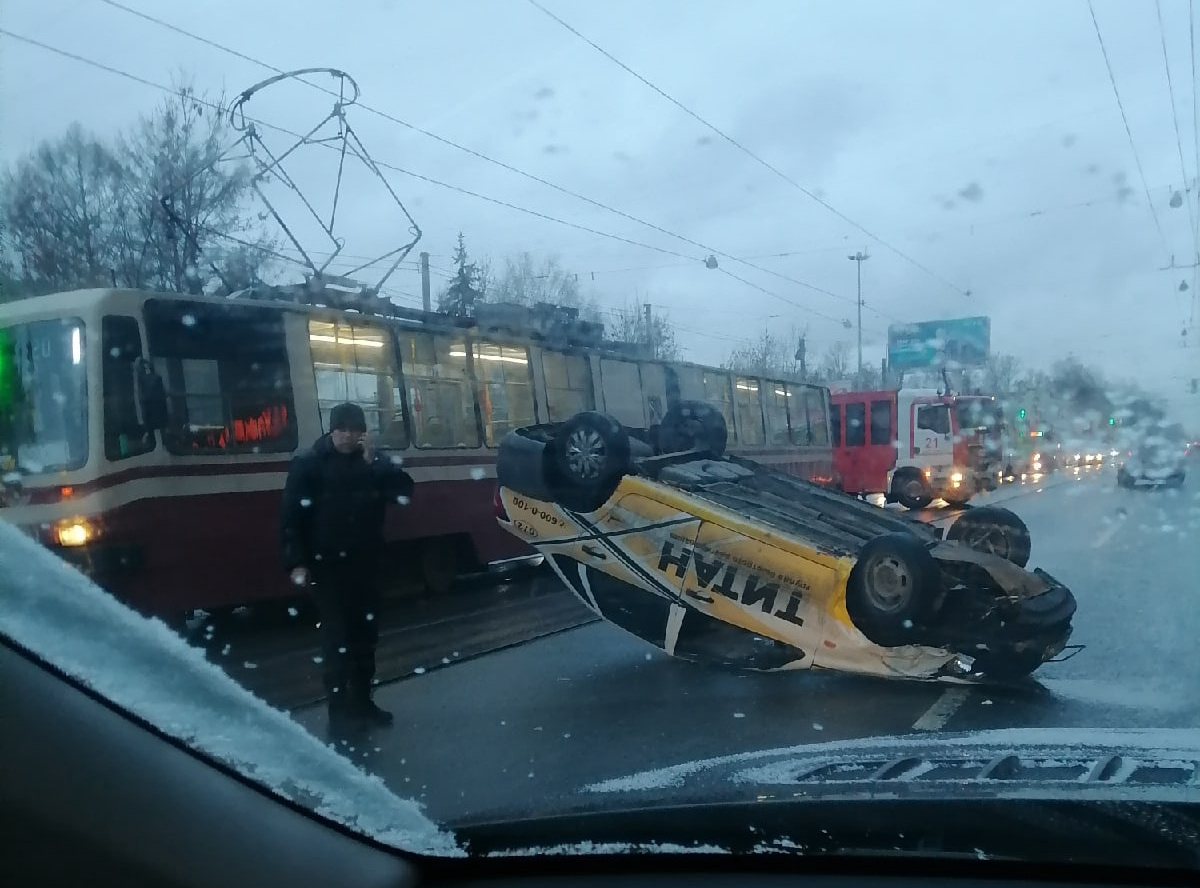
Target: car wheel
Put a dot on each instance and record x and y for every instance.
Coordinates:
(911, 490)
(995, 531)
(693, 425)
(588, 454)
(894, 586)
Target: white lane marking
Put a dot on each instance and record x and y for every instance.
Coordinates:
(1106, 535)
(943, 708)
(674, 621)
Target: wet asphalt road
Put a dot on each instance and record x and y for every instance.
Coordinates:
(539, 720)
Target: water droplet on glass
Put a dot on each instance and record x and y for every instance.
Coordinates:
(478, 474)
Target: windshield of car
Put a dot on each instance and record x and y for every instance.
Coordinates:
(43, 396)
(588, 408)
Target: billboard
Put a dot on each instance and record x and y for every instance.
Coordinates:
(959, 342)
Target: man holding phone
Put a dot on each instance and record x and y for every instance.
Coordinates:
(334, 504)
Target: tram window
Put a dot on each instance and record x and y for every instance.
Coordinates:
(749, 411)
(856, 426)
(440, 402)
(505, 389)
(815, 400)
(622, 386)
(699, 384)
(124, 433)
(355, 362)
(776, 398)
(835, 424)
(568, 385)
(881, 422)
(225, 369)
(654, 392)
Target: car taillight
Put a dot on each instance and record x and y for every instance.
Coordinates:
(498, 506)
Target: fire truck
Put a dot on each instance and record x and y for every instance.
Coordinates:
(915, 446)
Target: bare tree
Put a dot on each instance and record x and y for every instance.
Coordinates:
(77, 212)
(769, 355)
(629, 325)
(1000, 374)
(835, 365)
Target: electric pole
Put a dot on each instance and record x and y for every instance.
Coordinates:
(859, 258)
(650, 329)
(425, 281)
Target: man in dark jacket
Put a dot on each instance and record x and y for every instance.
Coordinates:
(334, 504)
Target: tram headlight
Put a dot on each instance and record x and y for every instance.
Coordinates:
(76, 532)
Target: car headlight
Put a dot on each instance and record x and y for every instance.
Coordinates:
(76, 532)
(956, 477)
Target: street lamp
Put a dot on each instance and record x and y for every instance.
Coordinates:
(860, 257)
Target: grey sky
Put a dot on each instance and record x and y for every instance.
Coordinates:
(941, 127)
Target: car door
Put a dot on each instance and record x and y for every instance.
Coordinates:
(932, 443)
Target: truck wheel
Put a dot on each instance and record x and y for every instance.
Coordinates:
(894, 586)
(589, 454)
(995, 531)
(911, 490)
(691, 425)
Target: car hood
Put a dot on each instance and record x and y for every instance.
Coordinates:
(1004, 787)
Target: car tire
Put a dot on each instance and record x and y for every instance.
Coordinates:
(911, 490)
(893, 587)
(586, 459)
(995, 531)
(693, 425)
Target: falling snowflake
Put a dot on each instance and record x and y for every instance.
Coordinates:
(397, 460)
(402, 500)
(987, 702)
(317, 556)
(249, 665)
(318, 660)
(566, 736)
(298, 579)
(59, 398)
(377, 749)
(538, 728)
(817, 726)
(503, 722)
(115, 352)
(739, 715)
(292, 612)
(341, 554)
(341, 650)
(420, 670)
(648, 657)
(478, 474)
(907, 624)
(225, 650)
(189, 320)
(370, 617)
(445, 660)
(455, 654)
(531, 775)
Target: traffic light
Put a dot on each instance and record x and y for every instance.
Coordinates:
(1021, 413)
(1112, 420)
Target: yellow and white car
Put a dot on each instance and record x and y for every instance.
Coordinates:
(721, 560)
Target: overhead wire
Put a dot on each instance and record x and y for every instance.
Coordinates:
(752, 155)
(487, 159)
(1162, 33)
(535, 213)
(1128, 132)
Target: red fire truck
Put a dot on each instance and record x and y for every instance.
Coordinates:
(146, 436)
(915, 446)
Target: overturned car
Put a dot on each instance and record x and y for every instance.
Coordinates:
(721, 560)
